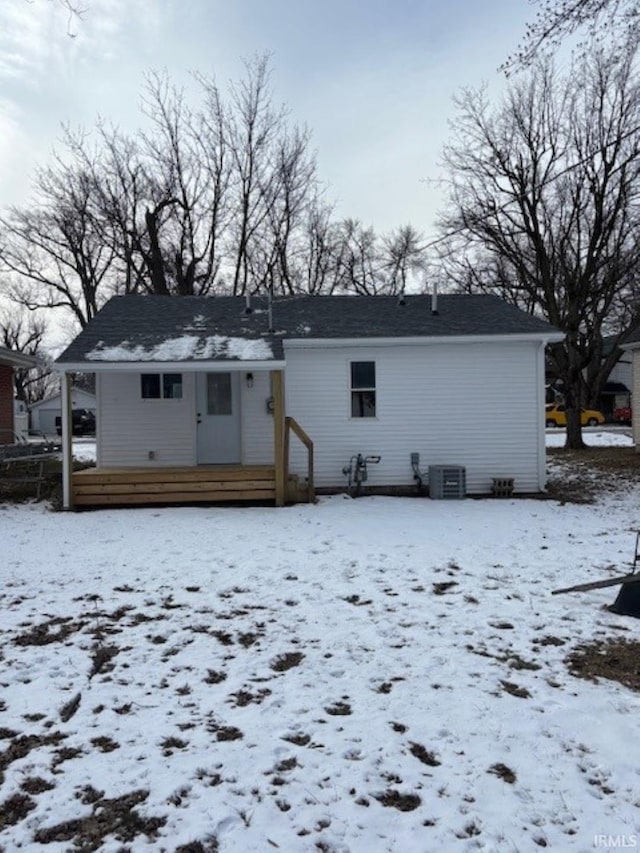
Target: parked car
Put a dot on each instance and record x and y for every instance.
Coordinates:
(622, 415)
(83, 422)
(555, 415)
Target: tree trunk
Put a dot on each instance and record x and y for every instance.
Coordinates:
(574, 429)
(154, 258)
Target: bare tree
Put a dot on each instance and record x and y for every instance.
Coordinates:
(254, 128)
(287, 202)
(211, 144)
(403, 257)
(160, 195)
(58, 256)
(25, 332)
(358, 266)
(317, 251)
(186, 154)
(617, 20)
(209, 199)
(220, 197)
(543, 209)
(111, 161)
(75, 12)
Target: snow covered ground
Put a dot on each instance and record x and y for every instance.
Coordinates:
(593, 437)
(379, 674)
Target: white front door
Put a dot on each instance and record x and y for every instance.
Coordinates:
(218, 418)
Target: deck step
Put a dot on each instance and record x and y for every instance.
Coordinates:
(140, 486)
(144, 498)
(166, 475)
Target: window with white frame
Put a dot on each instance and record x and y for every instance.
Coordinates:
(161, 386)
(363, 389)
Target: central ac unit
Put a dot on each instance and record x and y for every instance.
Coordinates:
(447, 482)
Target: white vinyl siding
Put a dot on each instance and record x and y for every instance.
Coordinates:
(130, 428)
(257, 423)
(475, 404)
(635, 398)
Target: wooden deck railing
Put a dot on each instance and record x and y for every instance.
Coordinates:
(291, 425)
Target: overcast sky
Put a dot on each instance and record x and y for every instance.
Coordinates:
(372, 79)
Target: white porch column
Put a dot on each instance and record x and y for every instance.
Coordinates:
(67, 430)
(277, 387)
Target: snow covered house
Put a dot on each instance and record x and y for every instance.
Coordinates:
(9, 361)
(212, 398)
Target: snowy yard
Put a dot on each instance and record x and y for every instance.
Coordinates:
(363, 675)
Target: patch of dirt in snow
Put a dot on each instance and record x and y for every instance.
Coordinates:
(579, 476)
(117, 817)
(612, 659)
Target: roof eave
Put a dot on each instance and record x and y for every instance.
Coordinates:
(17, 359)
(217, 366)
(551, 336)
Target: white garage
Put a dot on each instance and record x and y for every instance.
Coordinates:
(44, 413)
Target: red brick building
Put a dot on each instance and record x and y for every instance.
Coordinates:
(9, 360)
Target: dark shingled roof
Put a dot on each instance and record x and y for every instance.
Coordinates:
(632, 338)
(149, 321)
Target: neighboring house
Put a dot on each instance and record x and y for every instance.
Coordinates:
(45, 412)
(616, 393)
(9, 361)
(631, 348)
(192, 387)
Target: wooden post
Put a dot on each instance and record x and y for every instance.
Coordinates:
(278, 434)
(67, 431)
(286, 450)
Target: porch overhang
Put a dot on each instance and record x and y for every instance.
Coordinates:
(209, 366)
(275, 368)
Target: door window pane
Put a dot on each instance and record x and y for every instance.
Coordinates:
(219, 393)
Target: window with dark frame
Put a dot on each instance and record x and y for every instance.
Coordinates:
(157, 386)
(150, 386)
(363, 389)
(172, 386)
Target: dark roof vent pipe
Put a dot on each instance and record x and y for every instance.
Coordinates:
(247, 303)
(434, 299)
(270, 306)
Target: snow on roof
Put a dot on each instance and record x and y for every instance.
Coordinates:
(140, 324)
(185, 348)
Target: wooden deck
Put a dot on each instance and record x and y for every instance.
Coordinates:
(202, 484)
